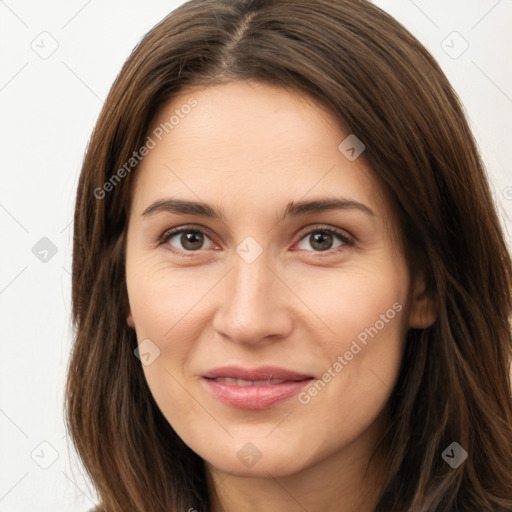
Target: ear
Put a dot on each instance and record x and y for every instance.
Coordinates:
(423, 310)
(129, 320)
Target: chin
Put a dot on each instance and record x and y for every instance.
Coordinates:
(259, 459)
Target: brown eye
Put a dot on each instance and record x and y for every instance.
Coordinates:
(321, 241)
(186, 239)
(324, 240)
(192, 240)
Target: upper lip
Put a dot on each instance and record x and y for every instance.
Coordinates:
(260, 373)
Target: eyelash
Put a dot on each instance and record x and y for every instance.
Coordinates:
(346, 239)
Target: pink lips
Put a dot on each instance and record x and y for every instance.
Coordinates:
(257, 388)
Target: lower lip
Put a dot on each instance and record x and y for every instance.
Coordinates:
(254, 397)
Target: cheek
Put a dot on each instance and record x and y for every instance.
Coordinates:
(166, 304)
(366, 315)
(163, 305)
(369, 307)
(163, 298)
(353, 301)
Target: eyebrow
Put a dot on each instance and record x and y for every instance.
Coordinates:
(293, 209)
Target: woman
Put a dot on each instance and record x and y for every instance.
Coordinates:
(291, 289)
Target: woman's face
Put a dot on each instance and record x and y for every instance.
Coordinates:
(272, 322)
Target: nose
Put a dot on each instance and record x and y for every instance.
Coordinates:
(255, 304)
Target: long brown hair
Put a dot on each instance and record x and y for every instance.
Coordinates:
(454, 383)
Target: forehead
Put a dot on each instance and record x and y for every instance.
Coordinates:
(249, 122)
(249, 143)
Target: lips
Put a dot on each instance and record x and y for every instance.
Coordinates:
(258, 388)
(243, 382)
(262, 373)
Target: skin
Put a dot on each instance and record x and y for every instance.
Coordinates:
(248, 149)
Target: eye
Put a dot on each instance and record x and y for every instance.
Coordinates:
(187, 239)
(323, 239)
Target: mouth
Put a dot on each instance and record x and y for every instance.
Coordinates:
(243, 382)
(259, 388)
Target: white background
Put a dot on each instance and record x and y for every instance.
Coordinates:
(48, 109)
